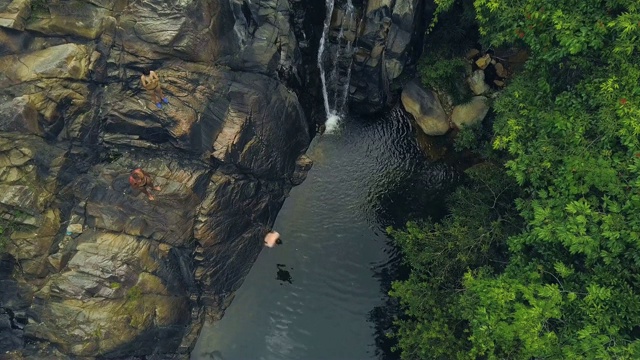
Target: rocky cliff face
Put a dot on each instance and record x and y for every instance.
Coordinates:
(387, 37)
(389, 32)
(89, 266)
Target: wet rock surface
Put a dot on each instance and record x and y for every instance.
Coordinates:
(470, 113)
(388, 41)
(90, 267)
(426, 108)
(487, 73)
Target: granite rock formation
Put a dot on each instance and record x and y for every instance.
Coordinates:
(387, 40)
(90, 267)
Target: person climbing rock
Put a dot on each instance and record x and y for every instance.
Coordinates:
(151, 82)
(272, 239)
(141, 181)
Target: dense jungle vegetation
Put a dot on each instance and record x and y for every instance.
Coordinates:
(539, 257)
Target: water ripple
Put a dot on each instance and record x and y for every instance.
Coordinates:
(336, 257)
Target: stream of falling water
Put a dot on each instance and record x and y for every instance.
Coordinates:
(334, 62)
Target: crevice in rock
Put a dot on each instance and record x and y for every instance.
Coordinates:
(307, 17)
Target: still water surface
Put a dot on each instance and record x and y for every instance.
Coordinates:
(313, 296)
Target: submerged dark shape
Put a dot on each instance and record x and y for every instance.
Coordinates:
(283, 275)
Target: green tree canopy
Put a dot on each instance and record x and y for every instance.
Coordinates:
(570, 126)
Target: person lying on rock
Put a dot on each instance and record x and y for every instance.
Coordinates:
(151, 82)
(141, 181)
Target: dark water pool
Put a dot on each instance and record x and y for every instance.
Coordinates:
(321, 294)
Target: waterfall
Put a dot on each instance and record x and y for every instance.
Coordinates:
(334, 61)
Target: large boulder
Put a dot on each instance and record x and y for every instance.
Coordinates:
(91, 267)
(470, 113)
(426, 108)
(476, 82)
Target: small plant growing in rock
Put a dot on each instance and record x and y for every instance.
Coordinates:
(446, 75)
(39, 8)
(7, 227)
(97, 333)
(134, 294)
(467, 138)
(3, 240)
(19, 215)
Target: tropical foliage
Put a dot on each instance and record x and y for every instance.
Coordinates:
(445, 75)
(482, 216)
(442, 67)
(568, 127)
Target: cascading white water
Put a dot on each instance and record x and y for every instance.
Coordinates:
(334, 62)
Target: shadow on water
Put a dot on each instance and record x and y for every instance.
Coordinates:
(213, 355)
(398, 195)
(384, 315)
(283, 275)
(398, 198)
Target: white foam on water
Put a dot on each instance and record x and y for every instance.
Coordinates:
(331, 125)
